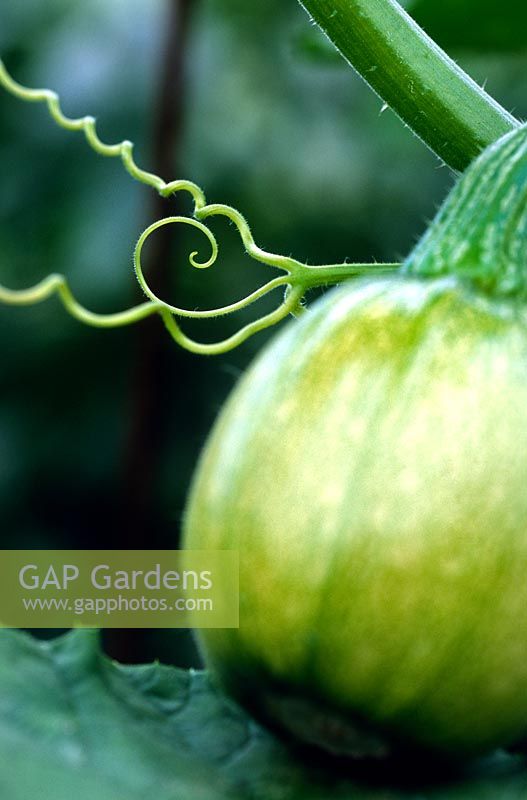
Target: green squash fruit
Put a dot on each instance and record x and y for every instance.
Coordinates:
(371, 470)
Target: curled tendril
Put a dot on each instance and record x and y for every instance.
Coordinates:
(297, 278)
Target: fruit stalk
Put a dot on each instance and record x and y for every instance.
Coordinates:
(454, 116)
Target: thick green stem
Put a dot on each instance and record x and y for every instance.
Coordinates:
(454, 116)
(479, 233)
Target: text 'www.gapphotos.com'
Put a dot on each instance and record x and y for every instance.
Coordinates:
(112, 605)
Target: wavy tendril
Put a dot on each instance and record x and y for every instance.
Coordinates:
(296, 280)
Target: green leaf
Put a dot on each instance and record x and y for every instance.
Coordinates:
(76, 726)
(474, 24)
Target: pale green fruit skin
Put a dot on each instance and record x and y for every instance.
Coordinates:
(371, 469)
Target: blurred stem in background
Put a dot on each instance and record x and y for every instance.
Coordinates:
(155, 357)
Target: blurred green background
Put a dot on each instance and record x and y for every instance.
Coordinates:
(100, 431)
